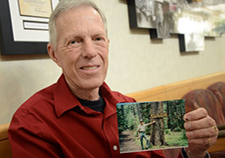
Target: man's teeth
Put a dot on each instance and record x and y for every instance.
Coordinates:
(89, 68)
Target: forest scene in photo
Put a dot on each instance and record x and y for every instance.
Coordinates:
(151, 125)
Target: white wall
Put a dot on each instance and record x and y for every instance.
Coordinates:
(136, 62)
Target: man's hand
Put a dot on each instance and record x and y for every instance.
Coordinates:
(202, 132)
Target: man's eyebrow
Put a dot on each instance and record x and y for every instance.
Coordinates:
(72, 37)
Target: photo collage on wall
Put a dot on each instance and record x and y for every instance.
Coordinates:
(191, 20)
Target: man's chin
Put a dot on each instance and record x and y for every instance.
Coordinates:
(90, 85)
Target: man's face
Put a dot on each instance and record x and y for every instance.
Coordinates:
(141, 122)
(82, 48)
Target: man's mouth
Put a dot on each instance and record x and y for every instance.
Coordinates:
(89, 67)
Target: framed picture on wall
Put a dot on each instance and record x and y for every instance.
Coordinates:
(191, 20)
(24, 26)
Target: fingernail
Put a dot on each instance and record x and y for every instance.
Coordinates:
(187, 118)
(188, 126)
(189, 134)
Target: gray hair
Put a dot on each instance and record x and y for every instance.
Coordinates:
(66, 5)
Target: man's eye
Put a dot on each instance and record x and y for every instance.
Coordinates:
(73, 42)
(99, 39)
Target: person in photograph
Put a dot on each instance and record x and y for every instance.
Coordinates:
(138, 4)
(150, 15)
(76, 116)
(142, 134)
(159, 19)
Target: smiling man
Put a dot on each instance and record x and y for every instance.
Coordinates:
(76, 117)
(81, 51)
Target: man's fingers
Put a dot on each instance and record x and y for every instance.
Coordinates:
(195, 114)
(206, 122)
(203, 141)
(202, 133)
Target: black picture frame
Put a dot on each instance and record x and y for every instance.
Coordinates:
(7, 44)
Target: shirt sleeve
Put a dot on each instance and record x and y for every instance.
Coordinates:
(27, 139)
(184, 154)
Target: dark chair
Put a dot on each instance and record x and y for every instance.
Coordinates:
(206, 99)
(218, 90)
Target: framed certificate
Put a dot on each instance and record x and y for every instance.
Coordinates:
(40, 8)
(24, 26)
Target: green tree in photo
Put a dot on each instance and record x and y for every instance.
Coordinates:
(175, 112)
(121, 118)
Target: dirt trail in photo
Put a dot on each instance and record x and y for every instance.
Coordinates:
(128, 143)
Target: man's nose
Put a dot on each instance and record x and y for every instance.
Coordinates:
(89, 50)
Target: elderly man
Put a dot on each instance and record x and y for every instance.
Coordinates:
(76, 117)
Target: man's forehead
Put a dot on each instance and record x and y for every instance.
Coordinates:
(82, 10)
(79, 15)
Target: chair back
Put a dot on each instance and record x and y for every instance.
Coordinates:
(218, 90)
(206, 99)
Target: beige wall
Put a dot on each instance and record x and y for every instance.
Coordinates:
(136, 62)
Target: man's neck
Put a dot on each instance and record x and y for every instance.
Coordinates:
(91, 95)
(85, 94)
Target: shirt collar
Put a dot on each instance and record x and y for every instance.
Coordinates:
(65, 100)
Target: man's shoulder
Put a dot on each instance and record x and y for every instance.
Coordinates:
(41, 98)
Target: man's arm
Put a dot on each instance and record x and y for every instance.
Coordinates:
(150, 123)
(28, 140)
(202, 132)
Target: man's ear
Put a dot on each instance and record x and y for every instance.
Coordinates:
(52, 54)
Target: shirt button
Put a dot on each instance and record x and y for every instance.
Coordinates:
(115, 147)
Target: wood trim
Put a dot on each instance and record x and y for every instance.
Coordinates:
(177, 90)
(5, 148)
(218, 146)
(4, 131)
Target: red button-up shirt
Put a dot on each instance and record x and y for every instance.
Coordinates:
(53, 123)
